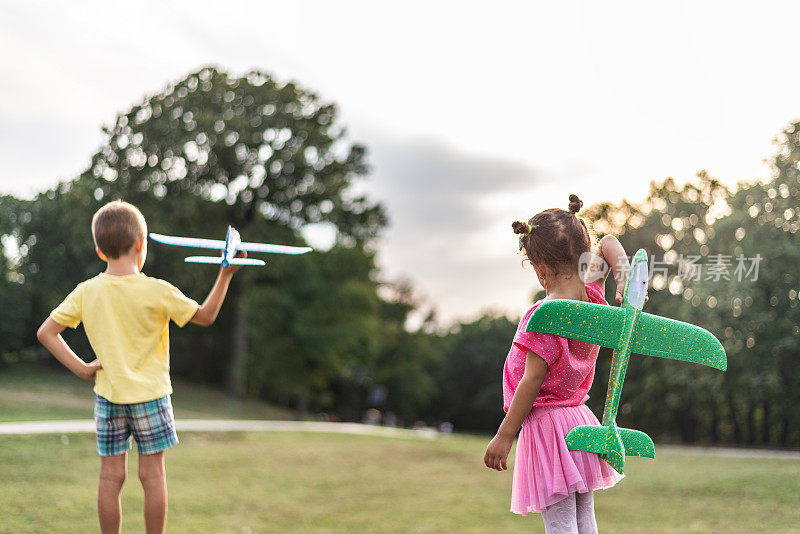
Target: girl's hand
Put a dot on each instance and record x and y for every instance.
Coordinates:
(497, 452)
(524, 398)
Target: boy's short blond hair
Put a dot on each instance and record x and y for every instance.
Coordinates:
(116, 227)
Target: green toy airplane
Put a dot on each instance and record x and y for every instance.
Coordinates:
(625, 329)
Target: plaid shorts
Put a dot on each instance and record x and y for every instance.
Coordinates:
(150, 423)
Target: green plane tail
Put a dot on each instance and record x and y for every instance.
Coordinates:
(611, 443)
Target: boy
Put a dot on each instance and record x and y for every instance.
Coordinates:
(126, 317)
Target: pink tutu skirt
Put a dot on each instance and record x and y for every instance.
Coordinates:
(545, 470)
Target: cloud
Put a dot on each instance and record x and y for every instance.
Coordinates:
(38, 153)
(440, 227)
(430, 186)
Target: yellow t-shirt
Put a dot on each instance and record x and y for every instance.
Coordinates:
(126, 319)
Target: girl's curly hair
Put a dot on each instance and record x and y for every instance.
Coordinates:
(554, 237)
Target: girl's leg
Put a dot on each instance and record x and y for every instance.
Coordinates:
(154, 483)
(113, 470)
(560, 518)
(584, 507)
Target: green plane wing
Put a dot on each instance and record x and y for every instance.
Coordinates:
(585, 321)
(652, 336)
(668, 338)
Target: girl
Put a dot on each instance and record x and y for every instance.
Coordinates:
(546, 378)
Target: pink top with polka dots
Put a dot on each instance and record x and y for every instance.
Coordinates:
(570, 363)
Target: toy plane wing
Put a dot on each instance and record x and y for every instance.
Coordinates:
(585, 321)
(273, 249)
(668, 338)
(652, 336)
(220, 259)
(194, 242)
(230, 247)
(219, 244)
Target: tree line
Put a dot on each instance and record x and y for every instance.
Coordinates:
(325, 333)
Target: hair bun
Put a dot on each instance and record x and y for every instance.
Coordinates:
(575, 204)
(520, 227)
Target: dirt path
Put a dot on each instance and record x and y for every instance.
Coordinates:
(224, 425)
(231, 425)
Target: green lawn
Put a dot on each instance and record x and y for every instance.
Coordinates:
(310, 482)
(29, 393)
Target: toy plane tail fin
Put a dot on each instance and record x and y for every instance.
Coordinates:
(602, 440)
(218, 260)
(611, 443)
(637, 443)
(591, 438)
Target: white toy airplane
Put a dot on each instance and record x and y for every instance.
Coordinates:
(232, 244)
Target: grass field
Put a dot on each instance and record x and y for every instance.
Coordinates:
(303, 482)
(33, 393)
(311, 482)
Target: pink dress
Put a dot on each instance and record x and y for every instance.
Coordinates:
(545, 471)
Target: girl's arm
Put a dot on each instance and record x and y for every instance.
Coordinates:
(610, 255)
(49, 335)
(498, 449)
(614, 255)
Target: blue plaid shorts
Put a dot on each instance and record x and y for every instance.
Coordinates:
(150, 423)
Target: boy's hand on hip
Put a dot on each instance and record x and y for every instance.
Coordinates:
(90, 370)
(497, 452)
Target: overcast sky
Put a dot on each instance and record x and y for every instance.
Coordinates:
(475, 114)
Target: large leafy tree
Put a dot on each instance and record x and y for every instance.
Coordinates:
(319, 330)
(745, 292)
(469, 373)
(673, 224)
(14, 292)
(213, 149)
(403, 366)
(759, 310)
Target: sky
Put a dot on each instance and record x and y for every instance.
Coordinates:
(475, 114)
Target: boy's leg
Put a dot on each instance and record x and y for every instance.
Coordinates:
(113, 443)
(154, 431)
(154, 483)
(113, 470)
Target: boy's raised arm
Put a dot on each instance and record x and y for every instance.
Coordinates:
(49, 335)
(207, 312)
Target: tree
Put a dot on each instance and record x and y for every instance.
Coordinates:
(321, 328)
(264, 156)
(406, 358)
(469, 374)
(672, 224)
(754, 313)
(759, 310)
(14, 293)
